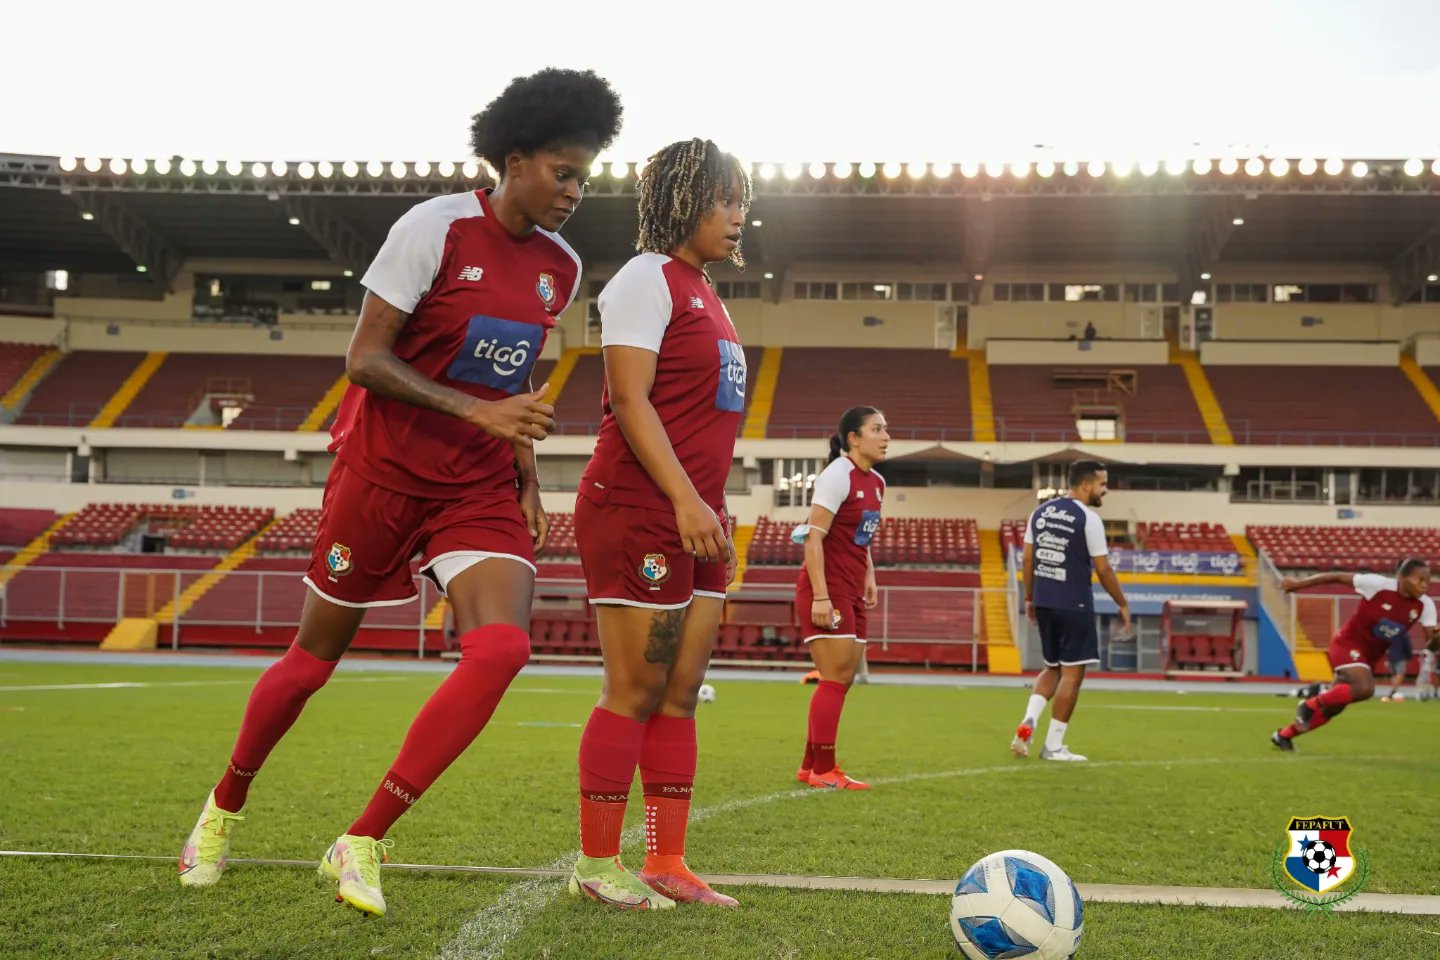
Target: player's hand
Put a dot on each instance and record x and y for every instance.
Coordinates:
(871, 597)
(822, 614)
(1030, 612)
(1289, 584)
(1125, 617)
(701, 534)
(535, 519)
(732, 565)
(521, 419)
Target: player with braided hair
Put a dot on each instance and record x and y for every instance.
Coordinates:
(650, 519)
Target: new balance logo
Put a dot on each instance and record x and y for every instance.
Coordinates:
(471, 273)
(697, 304)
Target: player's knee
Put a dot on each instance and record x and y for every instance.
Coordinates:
(503, 649)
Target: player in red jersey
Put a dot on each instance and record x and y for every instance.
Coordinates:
(434, 457)
(1389, 607)
(650, 521)
(837, 582)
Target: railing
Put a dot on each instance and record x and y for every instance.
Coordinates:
(1277, 603)
(74, 415)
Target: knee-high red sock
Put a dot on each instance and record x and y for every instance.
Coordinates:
(490, 657)
(667, 771)
(274, 706)
(825, 706)
(1325, 706)
(809, 762)
(609, 752)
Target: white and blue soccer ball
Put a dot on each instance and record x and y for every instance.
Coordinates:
(1016, 904)
(706, 693)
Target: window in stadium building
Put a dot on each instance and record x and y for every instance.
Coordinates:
(1142, 293)
(1084, 292)
(920, 291)
(1166, 477)
(960, 292)
(1430, 293)
(1287, 293)
(817, 290)
(866, 290)
(1098, 428)
(57, 280)
(1016, 292)
(1280, 485)
(738, 289)
(795, 481)
(1398, 485)
(1240, 293)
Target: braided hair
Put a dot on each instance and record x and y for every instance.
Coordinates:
(677, 188)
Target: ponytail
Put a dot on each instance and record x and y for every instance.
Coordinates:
(851, 421)
(837, 447)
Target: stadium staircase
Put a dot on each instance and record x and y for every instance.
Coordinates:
(762, 401)
(564, 367)
(181, 605)
(32, 550)
(1423, 384)
(982, 405)
(315, 419)
(128, 391)
(1001, 652)
(744, 534)
(1205, 400)
(435, 619)
(43, 364)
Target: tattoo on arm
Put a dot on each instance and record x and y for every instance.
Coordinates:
(664, 636)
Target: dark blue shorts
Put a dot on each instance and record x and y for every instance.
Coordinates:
(1400, 650)
(1067, 637)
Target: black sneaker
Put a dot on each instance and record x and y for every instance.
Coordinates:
(1282, 742)
(1303, 715)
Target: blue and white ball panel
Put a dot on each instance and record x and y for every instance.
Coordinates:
(1016, 904)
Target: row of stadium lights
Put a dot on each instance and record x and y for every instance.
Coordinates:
(620, 170)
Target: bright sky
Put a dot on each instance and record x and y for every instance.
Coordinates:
(774, 80)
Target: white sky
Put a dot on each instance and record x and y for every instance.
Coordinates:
(776, 80)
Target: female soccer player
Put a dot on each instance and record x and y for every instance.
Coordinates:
(837, 583)
(434, 456)
(650, 519)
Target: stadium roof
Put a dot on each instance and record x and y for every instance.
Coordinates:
(1183, 216)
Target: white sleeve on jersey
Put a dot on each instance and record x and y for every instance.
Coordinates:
(1095, 535)
(833, 485)
(1369, 584)
(1427, 612)
(635, 306)
(1030, 529)
(404, 269)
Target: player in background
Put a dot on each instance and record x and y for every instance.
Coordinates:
(837, 582)
(1398, 659)
(1427, 681)
(650, 521)
(1389, 607)
(1064, 540)
(434, 456)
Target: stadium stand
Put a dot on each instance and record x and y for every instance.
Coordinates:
(1153, 402)
(1331, 406)
(78, 388)
(1377, 549)
(295, 531)
(183, 526)
(925, 394)
(19, 527)
(1201, 537)
(15, 359)
(276, 392)
(577, 409)
(925, 541)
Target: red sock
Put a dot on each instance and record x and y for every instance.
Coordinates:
(1336, 696)
(825, 706)
(274, 706)
(809, 762)
(451, 719)
(609, 752)
(667, 771)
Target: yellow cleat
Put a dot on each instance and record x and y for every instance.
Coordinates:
(208, 847)
(354, 863)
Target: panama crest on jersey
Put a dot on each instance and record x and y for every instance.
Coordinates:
(655, 569)
(338, 560)
(545, 288)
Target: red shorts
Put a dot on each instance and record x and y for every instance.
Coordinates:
(368, 534)
(1347, 653)
(632, 557)
(853, 623)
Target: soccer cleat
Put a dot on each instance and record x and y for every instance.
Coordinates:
(208, 847)
(1303, 715)
(682, 886)
(606, 881)
(1284, 743)
(803, 774)
(1062, 754)
(836, 779)
(1020, 746)
(354, 863)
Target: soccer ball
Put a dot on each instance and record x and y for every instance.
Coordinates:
(1319, 856)
(1016, 904)
(707, 693)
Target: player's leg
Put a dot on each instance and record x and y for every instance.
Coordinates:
(1354, 683)
(837, 658)
(1396, 678)
(668, 755)
(1046, 681)
(1079, 647)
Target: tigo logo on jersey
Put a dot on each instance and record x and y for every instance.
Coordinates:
(545, 287)
(730, 392)
(1317, 858)
(869, 523)
(497, 353)
(472, 274)
(338, 560)
(654, 569)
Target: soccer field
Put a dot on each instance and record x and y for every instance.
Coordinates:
(1182, 791)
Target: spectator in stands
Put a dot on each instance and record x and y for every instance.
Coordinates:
(650, 519)
(1389, 608)
(1090, 332)
(837, 582)
(434, 456)
(1064, 541)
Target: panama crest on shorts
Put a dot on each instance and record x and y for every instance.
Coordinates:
(338, 560)
(654, 570)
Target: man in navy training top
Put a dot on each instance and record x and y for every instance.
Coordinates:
(1064, 541)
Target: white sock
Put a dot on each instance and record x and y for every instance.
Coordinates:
(1032, 711)
(1055, 736)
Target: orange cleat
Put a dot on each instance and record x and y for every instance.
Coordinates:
(1020, 745)
(836, 779)
(803, 774)
(676, 881)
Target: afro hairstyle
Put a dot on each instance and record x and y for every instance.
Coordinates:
(551, 108)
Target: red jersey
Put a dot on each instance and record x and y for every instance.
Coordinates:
(665, 305)
(1384, 615)
(481, 302)
(855, 496)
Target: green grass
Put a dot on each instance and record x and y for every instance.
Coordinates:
(1192, 797)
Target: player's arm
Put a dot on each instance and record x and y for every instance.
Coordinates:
(529, 478)
(819, 527)
(872, 589)
(630, 373)
(1099, 551)
(1292, 584)
(1027, 575)
(370, 362)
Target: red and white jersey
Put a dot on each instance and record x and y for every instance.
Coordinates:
(481, 302)
(665, 305)
(1383, 615)
(855, 496)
